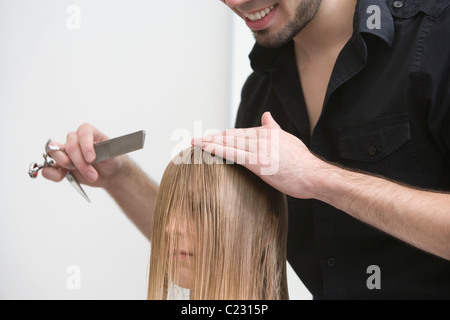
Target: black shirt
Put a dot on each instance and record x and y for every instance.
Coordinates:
(386, 112)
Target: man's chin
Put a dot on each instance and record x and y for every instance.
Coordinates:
(267, 40)
(277, 36)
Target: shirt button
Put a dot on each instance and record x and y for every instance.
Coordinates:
(331, 262)
(372, 150)
(398, 4)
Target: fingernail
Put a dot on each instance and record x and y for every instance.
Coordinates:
(91, 176)
(90, 157)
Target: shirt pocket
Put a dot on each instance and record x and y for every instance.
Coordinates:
(375, 140)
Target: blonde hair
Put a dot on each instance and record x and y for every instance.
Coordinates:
(238, 226)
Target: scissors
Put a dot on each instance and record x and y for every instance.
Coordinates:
(104, 150)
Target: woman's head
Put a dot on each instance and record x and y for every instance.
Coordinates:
(219, 231)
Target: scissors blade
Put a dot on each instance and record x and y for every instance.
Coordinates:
(118, 146)
(77, 186)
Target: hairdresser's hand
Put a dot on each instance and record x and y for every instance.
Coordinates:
(279, 158)
(77, 156)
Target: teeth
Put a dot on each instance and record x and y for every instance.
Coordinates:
(258, 15)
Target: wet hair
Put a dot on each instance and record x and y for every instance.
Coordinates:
(237, 225)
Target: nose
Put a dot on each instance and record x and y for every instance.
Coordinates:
(170, 228)
(177, 227)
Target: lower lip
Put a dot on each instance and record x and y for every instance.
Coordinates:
(182, 256)
(263, 23)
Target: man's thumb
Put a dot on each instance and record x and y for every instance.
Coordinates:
(267, 120)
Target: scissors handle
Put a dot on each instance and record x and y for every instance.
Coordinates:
(34, 169)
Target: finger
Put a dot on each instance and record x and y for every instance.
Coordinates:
(74, 152)
(54, 174)
(244, 139)
(248, 143)
(60, 157)
(249, 133)
(268, 121)
(87, 136)
(230, 154)
(259, 164)
(238, 133)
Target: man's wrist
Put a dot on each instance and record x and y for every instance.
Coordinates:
(119, 180)
(329, 182)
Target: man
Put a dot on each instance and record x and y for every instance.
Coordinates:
(358, 95)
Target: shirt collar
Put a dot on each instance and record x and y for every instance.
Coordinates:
(263, 58)
(406, 9)
(375, 19)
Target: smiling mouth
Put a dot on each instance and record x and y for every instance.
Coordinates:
(258, 15)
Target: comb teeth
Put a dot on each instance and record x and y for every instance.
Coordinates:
(118, 146)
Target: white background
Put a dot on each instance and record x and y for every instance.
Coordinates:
(132, 65)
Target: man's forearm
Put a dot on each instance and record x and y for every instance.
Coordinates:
(136, 194)
(418, 217)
